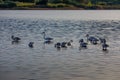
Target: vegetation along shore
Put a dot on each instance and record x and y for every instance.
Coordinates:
(59, 4)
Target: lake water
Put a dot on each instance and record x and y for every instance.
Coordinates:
(44, 61)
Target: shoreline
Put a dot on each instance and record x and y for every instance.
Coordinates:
(40, 9)
(27, 8)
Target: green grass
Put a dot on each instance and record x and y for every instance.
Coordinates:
(21, 4)
(59, 5)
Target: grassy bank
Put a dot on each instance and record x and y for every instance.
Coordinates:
(24, 4)
(10, 5)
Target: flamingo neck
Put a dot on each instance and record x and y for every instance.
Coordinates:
(12, 37)
(44, 35)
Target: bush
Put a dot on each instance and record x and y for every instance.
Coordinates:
(54, 1)
(11, 4)
(102, 3)
(1, 1)
(94, 7)
(24, 4)
(2, 5)
(8, 4)
(42, 2)
(59, 5)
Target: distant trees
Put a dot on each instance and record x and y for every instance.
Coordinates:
(1, 1)
(8, 4)
(69, 1)
(106, 1)
(21, 0)
(42, 2)
(86, 4)
(55, 1)
(81, 1)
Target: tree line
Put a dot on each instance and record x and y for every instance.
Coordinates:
(63, 3)
(68, 1)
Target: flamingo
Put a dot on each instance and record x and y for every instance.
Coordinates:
(69, 43)
(16, 39)
(92, 39)
(82, 43)
(31, 44)
(46, 38)
(58, 45)
(104, 46)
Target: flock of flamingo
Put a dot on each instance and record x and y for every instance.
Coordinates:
(47, 40)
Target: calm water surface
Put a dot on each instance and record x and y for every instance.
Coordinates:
(44, 62)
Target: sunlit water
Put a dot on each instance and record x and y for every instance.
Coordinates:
(45, 62)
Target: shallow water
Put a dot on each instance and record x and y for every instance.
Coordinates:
(44, 62)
